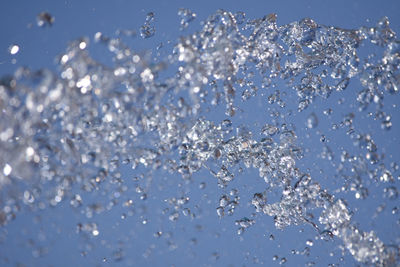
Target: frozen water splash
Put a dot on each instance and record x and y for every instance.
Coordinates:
(77, 127)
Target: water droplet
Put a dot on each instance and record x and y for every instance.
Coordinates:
(7, 169)
(387, 123)
(391, 192)
(186, 16)
(13, 49)
(240, 17)
(269, 130)
(45, 19)
(202, 185)
(328, 111)
(220, 212)
(312, 121)
(147, 30)
(95, 232)
(158, 234)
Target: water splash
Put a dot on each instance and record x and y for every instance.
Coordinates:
(78, 127)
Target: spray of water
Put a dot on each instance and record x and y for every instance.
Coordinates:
(66, 134)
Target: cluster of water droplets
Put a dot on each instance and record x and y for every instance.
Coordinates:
(147, 30)
(68, 133)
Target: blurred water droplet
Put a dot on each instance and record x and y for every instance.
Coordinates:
(13, 49)
(186, 16)
(7, 169)
(240, 17)
(391, 193)
(45, 19)
(312, 121)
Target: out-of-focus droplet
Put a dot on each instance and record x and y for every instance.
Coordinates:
(240, 17)
(387, 123)
(186, 16)
(45, 19)
(328, 111)
(202, 185)
(391, 193)
(220, 212)
(312, 121)
(13, 49)
(7, 169)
